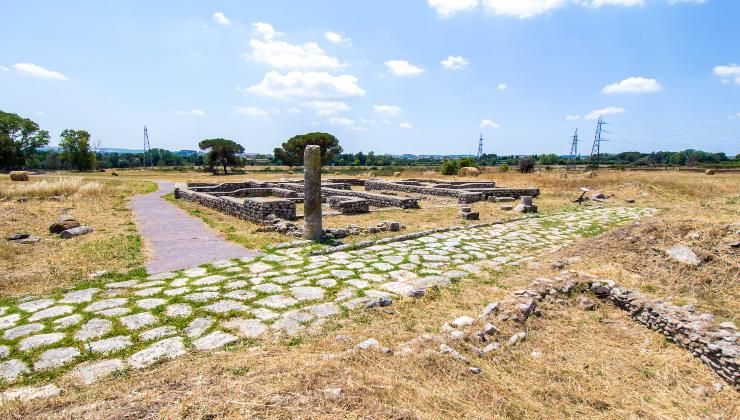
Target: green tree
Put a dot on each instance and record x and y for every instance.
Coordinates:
(19, 140)
(291, 152)
(76, 150)
(222, 152)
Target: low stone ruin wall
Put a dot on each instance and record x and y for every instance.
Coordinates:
(376, 200)
(379, 185)
(224, 187)
(348, 205)
(471, 193)
(717, 345)
(252, 209)
(356, 182)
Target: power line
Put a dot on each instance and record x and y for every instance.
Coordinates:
(147, 149)
(596, 147)
(480, 148)
(574, 148)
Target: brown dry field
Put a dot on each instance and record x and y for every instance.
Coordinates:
(593, 364)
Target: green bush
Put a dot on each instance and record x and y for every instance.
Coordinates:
(504, 168)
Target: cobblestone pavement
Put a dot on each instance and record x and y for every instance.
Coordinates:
(91, 332)
(177, 240)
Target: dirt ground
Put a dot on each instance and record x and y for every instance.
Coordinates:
(588, 364)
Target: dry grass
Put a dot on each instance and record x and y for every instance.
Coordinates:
(53, 262)
(593, 365)
(60, 186)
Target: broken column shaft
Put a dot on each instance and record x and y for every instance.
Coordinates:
(312, 229)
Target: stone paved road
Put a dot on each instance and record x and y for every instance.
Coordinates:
(177, 240)
(135, 323)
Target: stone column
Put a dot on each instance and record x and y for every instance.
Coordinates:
(312, 229)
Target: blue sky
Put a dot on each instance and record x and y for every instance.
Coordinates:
(413, 76)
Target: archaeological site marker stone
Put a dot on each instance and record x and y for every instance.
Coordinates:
(312, 184)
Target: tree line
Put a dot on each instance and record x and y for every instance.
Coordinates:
(24, 145)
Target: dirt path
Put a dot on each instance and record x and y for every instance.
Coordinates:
(175, 239)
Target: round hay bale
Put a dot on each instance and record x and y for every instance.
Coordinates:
(19, 176)
(591, 174)
(372, 175)
(396, 174)
(114, 173)
(468, 171)
(710, 172)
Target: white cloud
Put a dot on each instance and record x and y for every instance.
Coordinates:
(610, 110)
(488, 124)
(502, 86)
(341, 121)
(521, 8)
(572, 117)
(454, 63)
(265, 31)
(293, 110)
(406, 125)
(447, 8)
(38, 71)
(387, 109)
(327, 108)
(193, 112)
(600, 3)
(285, 56)
(633, 85)
(403, 68)
(357, 128)
(728, 73)
(252, 111)
(306, 85)
(221, 18)
(336, 38)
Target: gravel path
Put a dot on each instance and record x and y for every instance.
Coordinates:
(175, 239)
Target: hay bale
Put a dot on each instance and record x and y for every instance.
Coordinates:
(710, 172)
(19, 176)
(372, 175)
(591, 174)
(396, 174)
(114, 173)
(468, 171)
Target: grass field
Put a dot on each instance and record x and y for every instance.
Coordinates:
(593, 364)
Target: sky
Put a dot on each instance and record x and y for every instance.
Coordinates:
(412, 76)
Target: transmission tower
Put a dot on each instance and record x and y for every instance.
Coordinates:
(147, 149)
(574, 148)
(480, 148)
(596, 148)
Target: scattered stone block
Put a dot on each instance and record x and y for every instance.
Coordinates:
(74, 232)
(683, 254)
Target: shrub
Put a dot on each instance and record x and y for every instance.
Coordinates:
(449, 167)
(526, 165)
(504, 168)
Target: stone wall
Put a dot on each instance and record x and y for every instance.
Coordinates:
(376, 200)
(348, 205)
(472, 192)
(349, 181)
(252, 209)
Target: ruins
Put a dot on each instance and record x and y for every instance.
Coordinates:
(262, 202)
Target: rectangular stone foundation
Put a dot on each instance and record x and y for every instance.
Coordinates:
(255, 209)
